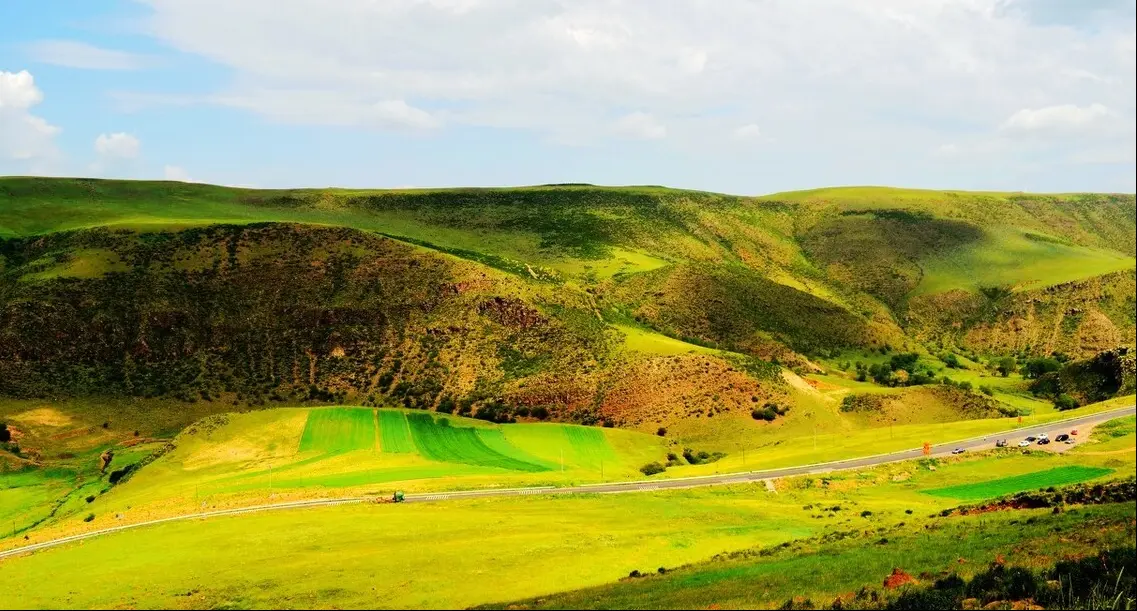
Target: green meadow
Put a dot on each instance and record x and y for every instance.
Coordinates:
(543, 545)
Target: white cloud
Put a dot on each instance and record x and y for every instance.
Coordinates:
(74, 54)
(173, 172)
(640, 125)
(1060, 118)
(24, 137)
(750, 131)
(397, 113)
(886, 80)
(693, 61)
(119, 145)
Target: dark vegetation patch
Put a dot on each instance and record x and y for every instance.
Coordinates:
(734, 308)
(878, 252)
(1106, 375)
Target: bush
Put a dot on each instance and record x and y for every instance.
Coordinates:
(91, 499)
(89, 517)
(1002, 583)
(764, 413)
(1065, 402)
(987, 390)
(5, 434)
(1036, 368)
(1005, 366)
(661, 432)
(652, 468)
(447, 406)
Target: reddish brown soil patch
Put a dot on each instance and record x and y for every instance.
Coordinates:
(898, 578)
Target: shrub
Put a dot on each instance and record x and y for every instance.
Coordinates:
(952, 361)
(447, 406)
(89, 517)
(652, 468)
(5, 434)
(661, 432)
(987, 390)
(764, 413)
(91, 498)
(1065, 402)
(1036, 368)
(1005, 366)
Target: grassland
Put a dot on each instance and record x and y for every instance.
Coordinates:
(542, 545)
(574, 299)
(1007, 257)
(823, 572)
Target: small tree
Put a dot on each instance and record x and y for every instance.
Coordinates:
(5, 434)
(1006, 366)
(1036, 368)
(662, 432)
(652, 468)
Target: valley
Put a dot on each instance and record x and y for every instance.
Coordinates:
(509, 359)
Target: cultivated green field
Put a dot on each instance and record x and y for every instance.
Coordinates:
(1060, 476)
(394, 432)
(336, 430)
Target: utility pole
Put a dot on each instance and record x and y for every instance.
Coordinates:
(562, 460)
(601, 469)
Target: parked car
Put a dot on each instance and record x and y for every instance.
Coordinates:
(1070, 441)
(1043, 441)
(958, 451)
(1062, 437)
(1032, 439)
(1044, 436)
(1002, 443)
(1074, 432)
(1024, 444)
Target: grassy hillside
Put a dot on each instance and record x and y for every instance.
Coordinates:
(635, 306)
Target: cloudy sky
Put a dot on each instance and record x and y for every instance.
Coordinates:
(739, 96)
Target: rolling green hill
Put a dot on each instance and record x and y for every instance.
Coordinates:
(572, 301)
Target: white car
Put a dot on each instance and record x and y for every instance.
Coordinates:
(1024, 444)
(1044, 436)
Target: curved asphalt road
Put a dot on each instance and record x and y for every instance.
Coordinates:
(1013, 436)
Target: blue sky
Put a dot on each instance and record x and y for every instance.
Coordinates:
(737, 96)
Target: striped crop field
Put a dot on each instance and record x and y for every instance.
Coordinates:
(1059, 476)
(437, 440)
(394, 434)
(339, 429)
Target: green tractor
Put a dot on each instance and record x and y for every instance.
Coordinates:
(398, 497)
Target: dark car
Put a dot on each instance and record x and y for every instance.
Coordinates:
(1002, 443)
(1062, 437)
(1043, 441)
(1032, 438)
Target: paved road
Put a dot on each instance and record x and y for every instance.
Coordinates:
(1013, 436)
